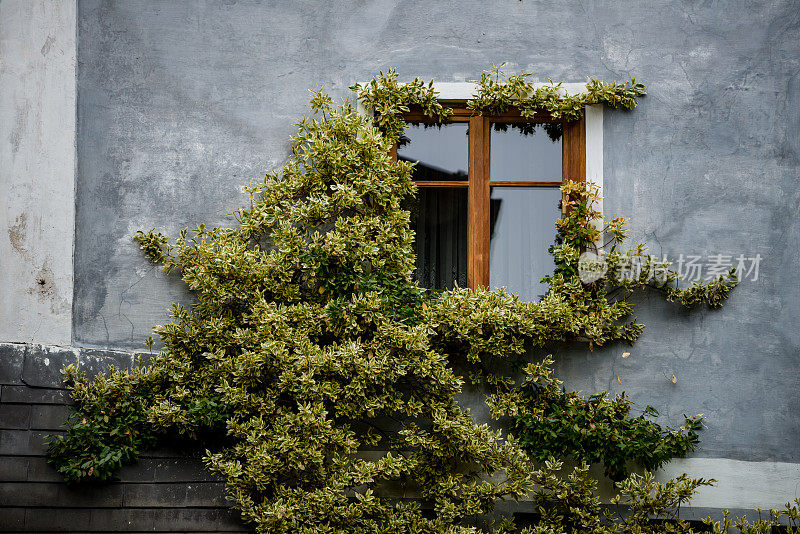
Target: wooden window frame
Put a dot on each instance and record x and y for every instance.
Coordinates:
(479, 183)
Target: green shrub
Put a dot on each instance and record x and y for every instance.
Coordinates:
(554, 422)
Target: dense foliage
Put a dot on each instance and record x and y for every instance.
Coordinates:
(555, 423)
(322, 380)
(387, 98)
(496, 92)
(110, 428)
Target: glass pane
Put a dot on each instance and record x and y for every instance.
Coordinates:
(526, 151)
(523, 228)
(439, 218)
(441, 150)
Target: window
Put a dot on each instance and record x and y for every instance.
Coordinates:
(488, 196)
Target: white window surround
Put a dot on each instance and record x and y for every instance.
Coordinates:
(463, 91)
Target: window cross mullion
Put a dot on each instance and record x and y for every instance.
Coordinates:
(478, 212)
(479, 203)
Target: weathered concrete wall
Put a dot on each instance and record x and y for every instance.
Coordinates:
(181, 103)
(178, 104)
(37, 169)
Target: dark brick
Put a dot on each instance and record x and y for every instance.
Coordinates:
(16, 442)
(41, 471)
(42, 367)
(154, 495)
(174, 451)
(168, 470)
(151, 520)
(174, 495)
(12, 519)
(199, 520)
(24, 442)
(168, 490)
(28, 395)
(15, 416)
(58, 519)
(94, 521)
(144, 470)
(59, 495)
(206, 494)
(39, 440)
(126, 520)
(48, 417)
(14, 469)
(12, 358)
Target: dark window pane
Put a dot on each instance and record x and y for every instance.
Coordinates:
(523, 228)
(526, 152)
(442, 151)
(439, 218)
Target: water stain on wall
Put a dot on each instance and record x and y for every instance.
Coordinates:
(17, 232)
(47, 44)
(20, 125)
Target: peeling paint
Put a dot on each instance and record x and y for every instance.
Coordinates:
(43, 286)
(17, 232)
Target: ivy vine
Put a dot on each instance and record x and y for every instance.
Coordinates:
(496, 92)
(386, 98)
(311, 346)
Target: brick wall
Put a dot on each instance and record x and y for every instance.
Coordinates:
(166, 491)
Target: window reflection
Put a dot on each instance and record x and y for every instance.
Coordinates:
(526, 151)
(523, 228)
(440, 150)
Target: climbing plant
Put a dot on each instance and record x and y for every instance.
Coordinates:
(552, 422)
(323, 381)
(497, 91)
(387, 99)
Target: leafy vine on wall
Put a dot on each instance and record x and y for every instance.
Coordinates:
(386, 98)
(311, 347)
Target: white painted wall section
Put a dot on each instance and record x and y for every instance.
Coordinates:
(594, 151)
(37, 169)
(746, 485)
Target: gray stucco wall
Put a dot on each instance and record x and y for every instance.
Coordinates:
(180, 103)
